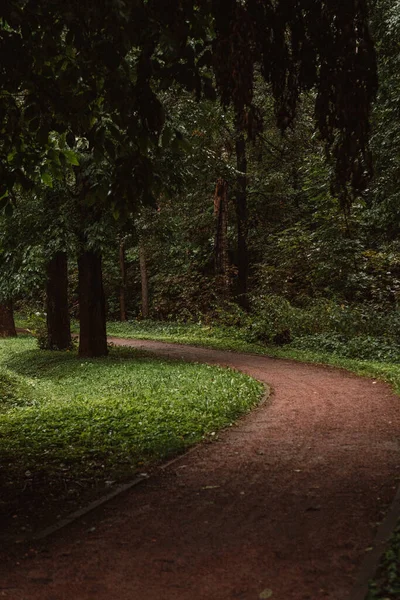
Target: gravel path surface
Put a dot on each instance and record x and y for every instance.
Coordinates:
(284, 505)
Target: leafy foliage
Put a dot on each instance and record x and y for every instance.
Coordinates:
(91, 73)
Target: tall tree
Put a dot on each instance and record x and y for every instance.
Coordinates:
(57, 309)
(241, 216)
(92, 309)
(7, 324)
(90, 76)
(221, 236)
(144, 280)
(122, 287)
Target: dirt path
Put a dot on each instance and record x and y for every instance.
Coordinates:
(287, 501)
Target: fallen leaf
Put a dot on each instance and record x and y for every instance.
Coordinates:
(265, 594)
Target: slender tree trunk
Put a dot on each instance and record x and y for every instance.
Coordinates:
(221, 237)
(144, 279)
(122, 289)
(92, 310)
(242, 218)
(7, 324)
(58, 323)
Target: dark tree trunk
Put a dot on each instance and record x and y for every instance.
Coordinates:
(242, 218)
(145, 283)
(122, 288)
(58, 323)
(221, 236)
(92, 310)
(7, 325)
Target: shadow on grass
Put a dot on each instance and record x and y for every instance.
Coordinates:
(44, 364)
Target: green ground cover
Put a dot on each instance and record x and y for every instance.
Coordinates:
(314, 349)
(71, 425)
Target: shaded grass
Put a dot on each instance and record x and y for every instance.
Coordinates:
(69, 424)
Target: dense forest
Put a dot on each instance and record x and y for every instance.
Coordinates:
(223, 174)
(231, 189)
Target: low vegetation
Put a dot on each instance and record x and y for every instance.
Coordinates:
(71, 427)
(364, 354)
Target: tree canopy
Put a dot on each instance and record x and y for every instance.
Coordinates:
(91, 70)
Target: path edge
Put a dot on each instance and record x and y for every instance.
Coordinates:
(371, 561)
(125, 487)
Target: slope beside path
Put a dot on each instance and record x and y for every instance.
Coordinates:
(284, 505)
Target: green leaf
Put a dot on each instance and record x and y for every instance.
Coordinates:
(47, 179)
(71, 157)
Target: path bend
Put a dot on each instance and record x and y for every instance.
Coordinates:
(286, 501)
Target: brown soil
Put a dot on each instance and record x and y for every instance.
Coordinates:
(287, 501)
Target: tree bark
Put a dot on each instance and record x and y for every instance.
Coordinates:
(92, 309)
(145, 282)
(221, 236)
(242, 218)
(58, 322)
(122, 288)
(7, 324)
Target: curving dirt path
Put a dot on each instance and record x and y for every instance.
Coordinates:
(287, 501)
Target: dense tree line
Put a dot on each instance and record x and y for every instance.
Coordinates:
(196, 153)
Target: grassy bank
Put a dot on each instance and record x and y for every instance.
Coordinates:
(70, 427)
(234, 339)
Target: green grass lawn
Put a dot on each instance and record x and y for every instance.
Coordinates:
(70, 426)
(234, 339)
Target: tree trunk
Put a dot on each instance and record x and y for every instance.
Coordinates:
(221, 236)
(242, 218)
(122, 288)
(58, 323)
(7, 325)
(92, 309)
(145, 283)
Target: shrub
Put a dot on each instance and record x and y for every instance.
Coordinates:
(272, 319)
(36, 325)
(272, 316)
(362, 347)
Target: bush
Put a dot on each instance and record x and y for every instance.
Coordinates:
(274, 318)
(362, 347)
(36, 325)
